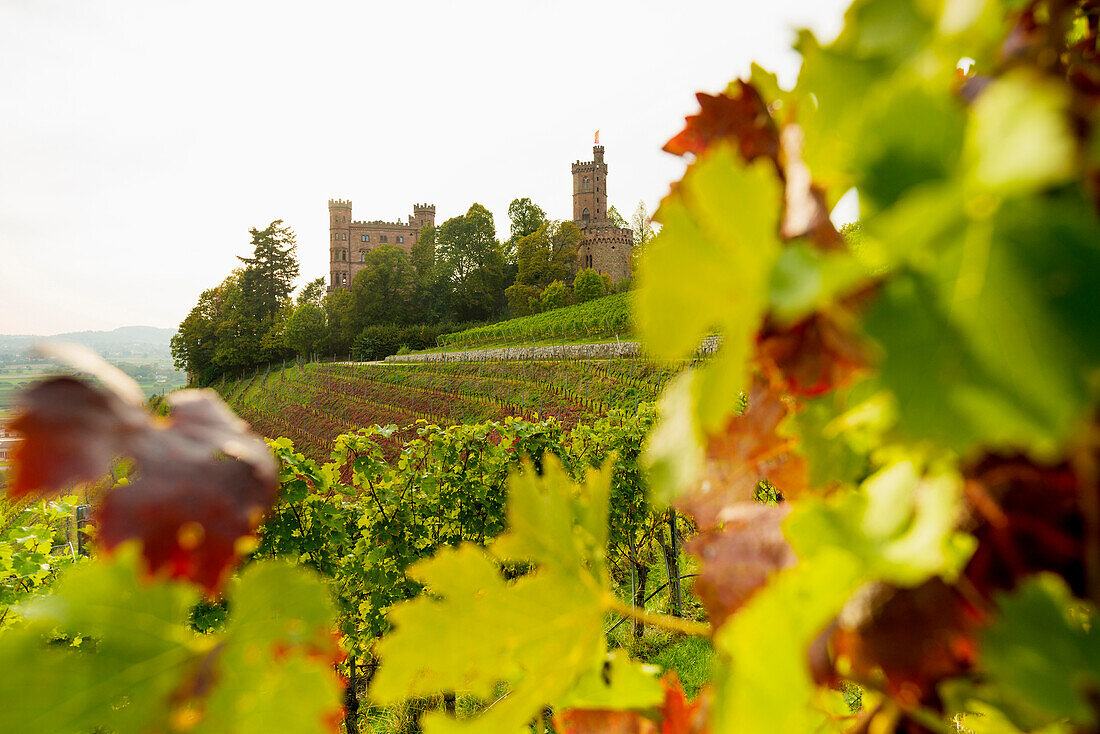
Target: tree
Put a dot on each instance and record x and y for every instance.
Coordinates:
(526, 218)
(588, 285)
(307, 329)
(642, 224)
(564, 243)
(615, 218)
(381, 290)
(471, 260)
(523, 300)
(549, 254)
(194, 344)
(554, 296)
(340, 316)
(275, 263)
(312, 292)
(422, 254)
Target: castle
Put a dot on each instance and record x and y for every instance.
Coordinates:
(605, 248)
(350, 241)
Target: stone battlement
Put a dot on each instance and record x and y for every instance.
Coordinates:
(339, 202)
(379, 222)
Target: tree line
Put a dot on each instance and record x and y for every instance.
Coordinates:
(456, 275)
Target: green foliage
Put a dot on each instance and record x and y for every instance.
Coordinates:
(523, 300)
(107, 650)
(470, 259)
(312, 292)
(555, 295)
(526, 218)
(548, 254)
(603, 317)
(29, 563)
(307, 329)
(588, 285)
(382, 291)
(422, 254)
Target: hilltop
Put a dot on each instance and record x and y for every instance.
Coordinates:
(125, 341)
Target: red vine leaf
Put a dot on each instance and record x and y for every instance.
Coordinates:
(751, 448)
(916, 637)
(202, 480)
(815, 356)
(739, 557)
(71, 432)
(676, 715)
(738, 115)
(599, 721)
(1028, 520)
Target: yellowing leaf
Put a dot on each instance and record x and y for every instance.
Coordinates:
(710, 269)
(1019, 138)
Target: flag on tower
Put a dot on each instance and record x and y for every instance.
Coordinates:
(597, 137)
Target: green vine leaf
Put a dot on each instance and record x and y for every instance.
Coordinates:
(540, 634)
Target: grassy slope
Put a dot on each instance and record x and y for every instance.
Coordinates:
(596, 320)
(315, 403)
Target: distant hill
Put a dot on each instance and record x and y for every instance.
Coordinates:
(125, 341)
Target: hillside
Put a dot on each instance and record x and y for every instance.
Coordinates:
(602, 318)
(125, 341)
(314, 403)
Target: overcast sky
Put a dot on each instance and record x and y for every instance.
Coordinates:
(140, 140)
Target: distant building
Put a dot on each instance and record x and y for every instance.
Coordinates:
(350, 241)
(605, 248)
(8, 441)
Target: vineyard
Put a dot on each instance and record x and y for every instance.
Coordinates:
(314, 403)
(605, 317)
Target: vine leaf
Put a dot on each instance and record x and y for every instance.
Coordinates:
(914, 637)
(675, 715)
(141, 668)
(739, 557)
(1043, 654)
(739, 115)
(203, 480)
(728, 260)
(899, 524)
(755, 445)
(540, 634)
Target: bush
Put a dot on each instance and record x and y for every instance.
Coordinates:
(523, 300)
(590, 285)
(555, 295)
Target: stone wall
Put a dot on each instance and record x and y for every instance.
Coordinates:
(606, 350)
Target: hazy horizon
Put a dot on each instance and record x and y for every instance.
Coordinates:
(141, 141)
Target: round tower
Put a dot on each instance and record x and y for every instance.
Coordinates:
(423, 214)
(339, 223)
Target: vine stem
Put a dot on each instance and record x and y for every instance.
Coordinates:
(664, 621)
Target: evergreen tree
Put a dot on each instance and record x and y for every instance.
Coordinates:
(274, 262)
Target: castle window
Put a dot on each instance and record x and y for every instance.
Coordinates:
(400, 238)
(344, 236)
(363, 238)
(584, 214)
(382, 238)
(586, 185)
(362, 256)
(366, 238)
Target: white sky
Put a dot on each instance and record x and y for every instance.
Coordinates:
(140, 139)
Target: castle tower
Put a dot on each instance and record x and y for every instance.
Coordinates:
(339, 222)
(590, 189)
(607, 249)
(423, 214)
